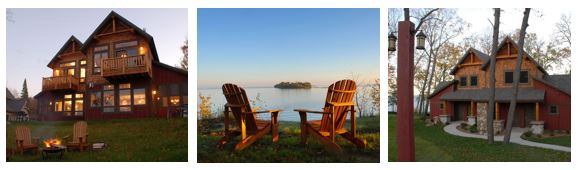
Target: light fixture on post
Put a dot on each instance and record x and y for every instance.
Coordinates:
(392, 40)
(420, 41)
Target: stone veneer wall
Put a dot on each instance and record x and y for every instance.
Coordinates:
(482, 110)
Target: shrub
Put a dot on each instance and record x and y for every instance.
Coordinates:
(463, 125)
(527, 134)
(473, 129)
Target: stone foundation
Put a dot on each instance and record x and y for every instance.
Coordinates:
(537, 127)
(482, 110)
(498, 126)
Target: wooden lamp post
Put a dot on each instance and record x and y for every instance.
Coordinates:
(405, 73)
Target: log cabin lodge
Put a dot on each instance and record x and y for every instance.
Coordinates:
(115, 73)
(543, 99)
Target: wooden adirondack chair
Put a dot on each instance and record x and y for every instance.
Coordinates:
(79, 137)
(338, 103)
(248, 126)
(24, 140)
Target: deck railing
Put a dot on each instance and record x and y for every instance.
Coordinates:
(126, 65)
(60, 83)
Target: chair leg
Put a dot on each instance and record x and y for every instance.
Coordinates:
(350, 136)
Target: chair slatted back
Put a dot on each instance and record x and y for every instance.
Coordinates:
(23, 134)
(79, 131)
(236, 96)
(339, 93)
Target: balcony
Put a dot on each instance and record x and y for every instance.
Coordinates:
(60, 83)
(126, 67)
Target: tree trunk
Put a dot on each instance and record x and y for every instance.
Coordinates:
(517, 76)
(425, 83)
(433, 71)
(491, 101)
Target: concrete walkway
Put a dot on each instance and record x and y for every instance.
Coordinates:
(452, 128)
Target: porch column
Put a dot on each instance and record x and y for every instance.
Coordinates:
(537, 111)
(472, 108)
(497, 111)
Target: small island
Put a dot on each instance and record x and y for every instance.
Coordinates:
(293, 85)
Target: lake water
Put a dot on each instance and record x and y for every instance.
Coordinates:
(273, 98)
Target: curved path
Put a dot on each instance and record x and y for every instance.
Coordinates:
(452, 128)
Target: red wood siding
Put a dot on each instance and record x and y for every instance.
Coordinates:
(435, 102)
(553, 96)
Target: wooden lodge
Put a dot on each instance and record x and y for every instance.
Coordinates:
(543, 99)
(115, 73)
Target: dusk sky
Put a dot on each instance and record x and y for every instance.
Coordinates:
(262, 47)
(35, 36)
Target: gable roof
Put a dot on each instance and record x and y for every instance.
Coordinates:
(441, 86)
(13, 104)
(560, 82)
(509, 40)
(70, 40)
(139, 31)
(175, 69)
(9, 95)
(482, 56)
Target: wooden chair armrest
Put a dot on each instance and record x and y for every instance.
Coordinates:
(341, 104)
(264, 111)
(311, 111)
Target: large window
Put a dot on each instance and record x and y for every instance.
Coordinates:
(509, 77)
(68, 104)
(99, 54)
(474, 81)
(463, 81)
(70, 71)
(108, 98)
(57, 73)
(95, 99)
(124, 98)
(139, 96)
(68, 64)
(78, 104)
(126, 49)
(58, 106)
(82, 74)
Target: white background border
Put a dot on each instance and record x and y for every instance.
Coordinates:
(194, 4)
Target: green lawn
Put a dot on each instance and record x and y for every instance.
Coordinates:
(289, 150)
(560, 140)
(127, 140)
(433, 145)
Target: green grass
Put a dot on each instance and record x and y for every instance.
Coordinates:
(127, 140)
(559, 140)
(289, 150)
(432, 144)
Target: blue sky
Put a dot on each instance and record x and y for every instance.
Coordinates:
(261, 47)
(35, 35)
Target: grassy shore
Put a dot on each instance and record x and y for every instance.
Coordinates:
(288, 149)
(127, 140)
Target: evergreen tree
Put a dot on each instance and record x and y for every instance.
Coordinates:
(24, 93)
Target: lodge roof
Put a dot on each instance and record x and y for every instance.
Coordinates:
(72, 39)
(441, 86)
(484, 57)
(509, 40)
(560, 82)
(138, 30)
(502, 95)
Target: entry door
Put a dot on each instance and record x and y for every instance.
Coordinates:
(460, 110)
(524, 115)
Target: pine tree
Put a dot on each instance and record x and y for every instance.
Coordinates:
(24, 93)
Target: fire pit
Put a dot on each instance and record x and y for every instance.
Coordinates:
(53, 148)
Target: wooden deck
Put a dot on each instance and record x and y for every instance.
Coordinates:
(60, 83)
(124, 66)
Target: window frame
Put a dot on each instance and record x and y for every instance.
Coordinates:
(96, 51)
(462, 82)
(556, 108)
(471, 78)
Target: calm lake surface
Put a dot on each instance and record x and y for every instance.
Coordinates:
(273, 98)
